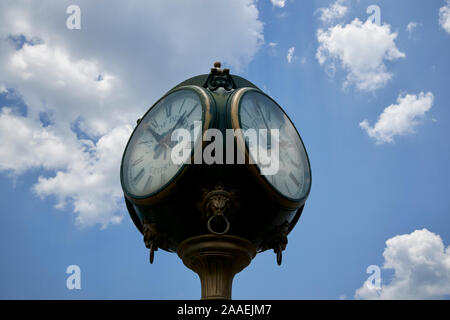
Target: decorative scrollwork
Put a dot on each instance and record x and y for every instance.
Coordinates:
(153, 238)
(277, 240)
(219, 78)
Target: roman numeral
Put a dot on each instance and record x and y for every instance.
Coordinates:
(169, 110)
(137, 161)
(148, 183)
(274, 182)
(139, 176)
(287, 187)
(295, 164)
(182, 104)
(269, 115)
(154, 123)
(248, 113)
(294, 179)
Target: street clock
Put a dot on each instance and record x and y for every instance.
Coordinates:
(234, 203)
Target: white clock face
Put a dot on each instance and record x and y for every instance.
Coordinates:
(293, 178)
(147, 164)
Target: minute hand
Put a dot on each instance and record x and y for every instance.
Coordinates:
(262, 115)
(157, 136)
(183, 118)
(164, 138)
(192, 110)
(269, 144)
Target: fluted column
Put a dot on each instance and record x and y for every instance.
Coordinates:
(216, 259)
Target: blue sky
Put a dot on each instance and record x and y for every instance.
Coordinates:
(69, 99)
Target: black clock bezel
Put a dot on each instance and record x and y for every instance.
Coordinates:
(208, 114)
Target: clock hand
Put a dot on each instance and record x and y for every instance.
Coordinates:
(269, 144)
(262, 115)
(181, 119)
(163, 139)
(156, 135)
(192, 110)
(158, 151)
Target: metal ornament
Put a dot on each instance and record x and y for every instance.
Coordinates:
(218, 206)
(219, 78)
(153, 239)
(277, 240)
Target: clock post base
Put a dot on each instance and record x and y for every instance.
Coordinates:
(216, 259)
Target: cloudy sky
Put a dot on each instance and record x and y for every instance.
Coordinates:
(367, 89)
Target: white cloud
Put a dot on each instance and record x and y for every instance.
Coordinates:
(26, 144)
(278, 3)
(361, 48)
(410, 27)
(422, 268)
(400, 118)
(49, 78)
(444, 16)
(290, 54)
(337, 10)
(86, 172)
(272, 48)
(91, 182)
(137, 61)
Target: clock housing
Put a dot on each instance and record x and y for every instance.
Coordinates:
(177, 208)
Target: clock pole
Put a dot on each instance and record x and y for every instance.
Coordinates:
(216, 259)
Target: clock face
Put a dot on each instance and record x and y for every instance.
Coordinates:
(147, 165)
(293, 178)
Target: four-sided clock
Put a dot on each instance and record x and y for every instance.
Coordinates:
(171, 202)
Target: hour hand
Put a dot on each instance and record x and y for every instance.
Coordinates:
(158, 150)
(155, 134)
